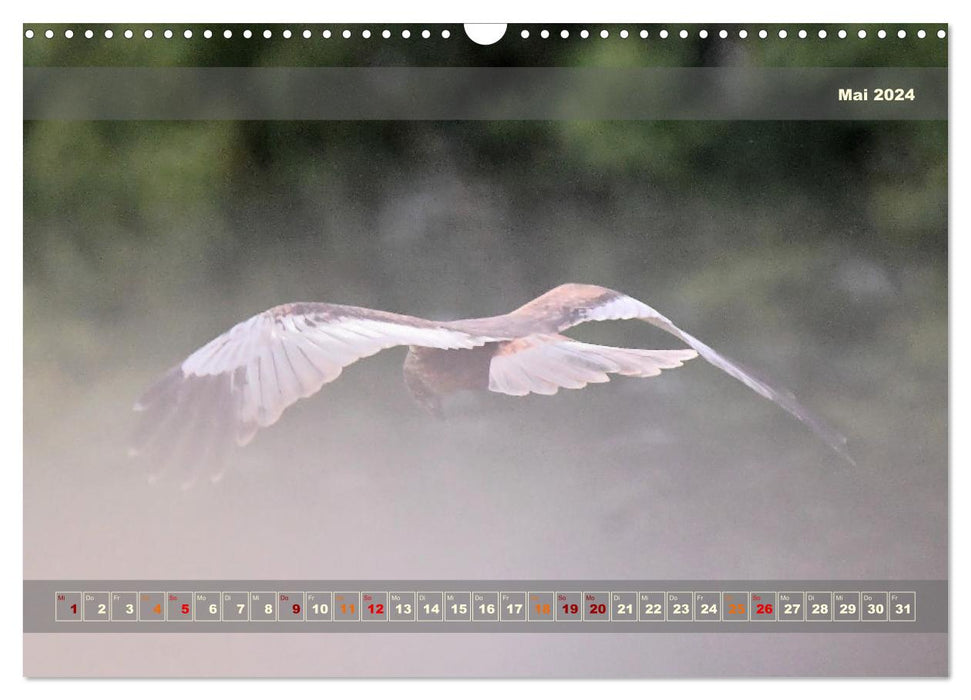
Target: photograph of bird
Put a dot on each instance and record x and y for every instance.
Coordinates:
(245, 379)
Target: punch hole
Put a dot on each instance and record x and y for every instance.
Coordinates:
(485, 34)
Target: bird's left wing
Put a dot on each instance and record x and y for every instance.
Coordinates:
(571, 304)
(243, 380)
(541, 364)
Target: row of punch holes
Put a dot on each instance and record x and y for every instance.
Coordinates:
(524, 34)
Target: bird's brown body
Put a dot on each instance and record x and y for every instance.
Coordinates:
(244, 379)
(431, 373)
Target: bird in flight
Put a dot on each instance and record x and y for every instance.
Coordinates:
(242, 381)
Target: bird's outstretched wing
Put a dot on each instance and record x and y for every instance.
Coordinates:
(243, 380)
(541, 364)
(571, 304)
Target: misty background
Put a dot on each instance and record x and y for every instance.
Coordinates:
(813, 252)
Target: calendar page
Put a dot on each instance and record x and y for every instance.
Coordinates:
(570, 351)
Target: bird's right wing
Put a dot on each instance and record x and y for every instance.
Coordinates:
(243, 380)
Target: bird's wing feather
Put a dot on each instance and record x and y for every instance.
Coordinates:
(264, 364)
(571, 304)
(542, 364)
